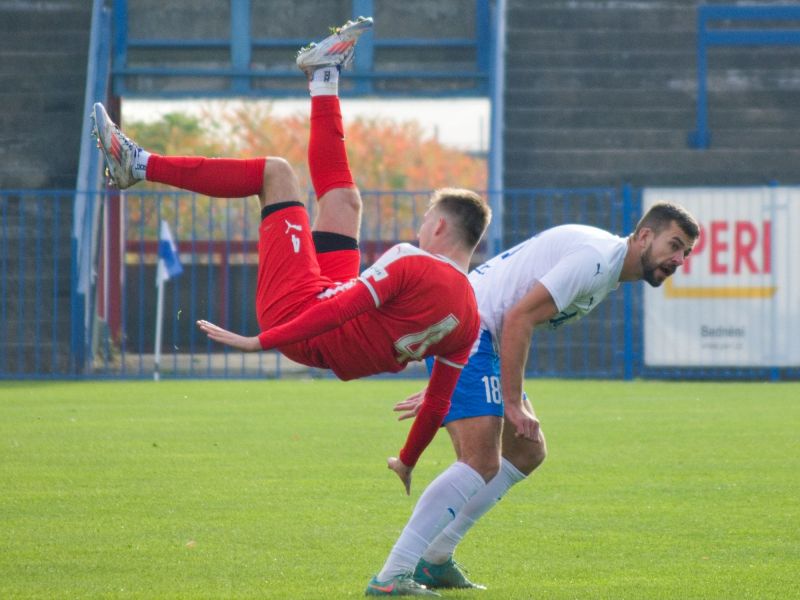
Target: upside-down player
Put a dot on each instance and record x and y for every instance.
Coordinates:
(312, 304)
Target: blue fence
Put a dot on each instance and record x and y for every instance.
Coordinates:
(46, 333)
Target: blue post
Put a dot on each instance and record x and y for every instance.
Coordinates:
(77, 306)
(241, 44)
(120, 43)
(364, 61)
(700, 138)
(628, 353)
(483, 37)
(496, 89)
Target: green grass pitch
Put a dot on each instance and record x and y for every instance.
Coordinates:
(278, 489)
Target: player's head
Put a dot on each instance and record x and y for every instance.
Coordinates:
(466, 212)
(666, 234)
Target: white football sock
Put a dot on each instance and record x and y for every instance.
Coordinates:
(441, 501)
(324, 82)
(139, 166)
(442, 548)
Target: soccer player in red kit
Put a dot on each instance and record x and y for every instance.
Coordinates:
(311, 302)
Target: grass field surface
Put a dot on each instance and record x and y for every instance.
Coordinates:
(278, 489)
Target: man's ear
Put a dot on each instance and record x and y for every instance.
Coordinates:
(441, 226)
(645, 235)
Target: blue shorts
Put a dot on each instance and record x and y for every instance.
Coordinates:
(477, 392)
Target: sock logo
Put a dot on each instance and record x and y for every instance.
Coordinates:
(295, 243)
(327, 76)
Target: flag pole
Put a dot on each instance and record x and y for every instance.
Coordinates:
(159, 317)
(169, 265)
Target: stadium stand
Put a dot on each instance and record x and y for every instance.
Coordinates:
(603, 93)
(44, 47)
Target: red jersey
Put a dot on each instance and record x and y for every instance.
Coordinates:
(407, 306)
(421, 305)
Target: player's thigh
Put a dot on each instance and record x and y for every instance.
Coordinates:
(289, 276)
(476, 439)
(339, 211)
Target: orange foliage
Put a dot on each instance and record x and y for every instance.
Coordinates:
(385, 156)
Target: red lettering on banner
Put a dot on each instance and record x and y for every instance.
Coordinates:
(733, 247)
(718, 247)
(743, 249)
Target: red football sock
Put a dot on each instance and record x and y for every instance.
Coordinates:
(327, 157)
(217, 177)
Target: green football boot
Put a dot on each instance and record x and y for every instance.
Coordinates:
(401, 585)
(447, 575)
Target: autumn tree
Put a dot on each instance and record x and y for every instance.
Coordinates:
(395, 164)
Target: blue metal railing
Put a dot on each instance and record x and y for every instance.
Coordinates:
(240, 47)
(708, 37)
(217, 242)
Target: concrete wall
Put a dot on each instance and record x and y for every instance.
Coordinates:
(43, 45)
(603, 93)
(43, 52)
(297, 23)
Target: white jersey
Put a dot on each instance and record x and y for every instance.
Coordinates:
(579, 266)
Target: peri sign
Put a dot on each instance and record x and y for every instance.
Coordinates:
(736, 300)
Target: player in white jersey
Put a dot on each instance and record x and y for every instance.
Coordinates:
(579, 266)
(549, 280)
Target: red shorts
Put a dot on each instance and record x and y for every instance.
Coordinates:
(290, 272)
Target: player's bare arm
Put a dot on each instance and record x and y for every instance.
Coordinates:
(537, 306)
(223, 336)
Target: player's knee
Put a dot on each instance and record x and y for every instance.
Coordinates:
(528, 456)
(347, 199)
(537, 454)
(487, 465)
(277, 168)
(280, 182)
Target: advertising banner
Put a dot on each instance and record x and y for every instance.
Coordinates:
(736, 300)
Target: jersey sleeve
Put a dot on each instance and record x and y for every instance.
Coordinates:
(574, 276)
(434, 409)
(322, 317)
(384, 281)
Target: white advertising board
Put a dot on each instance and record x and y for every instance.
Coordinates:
(736, 300)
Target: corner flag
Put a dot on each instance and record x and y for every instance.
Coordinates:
(169, 263)
(169, 266)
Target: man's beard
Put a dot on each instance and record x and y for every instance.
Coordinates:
(649, 268)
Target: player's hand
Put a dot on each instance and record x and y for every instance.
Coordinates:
(525, 423)
(403, 472)
(410, 406)
(223, 336)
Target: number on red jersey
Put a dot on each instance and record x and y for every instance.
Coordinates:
(414, 345)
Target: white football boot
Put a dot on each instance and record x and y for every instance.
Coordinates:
(336, 50)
